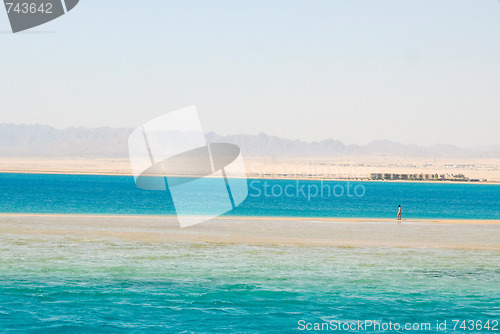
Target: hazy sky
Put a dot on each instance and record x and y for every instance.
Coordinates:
(412, 71)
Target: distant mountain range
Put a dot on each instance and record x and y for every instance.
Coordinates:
(46, 141)
(105, 142)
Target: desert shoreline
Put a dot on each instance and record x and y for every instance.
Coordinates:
(252, 177)
(339, 168)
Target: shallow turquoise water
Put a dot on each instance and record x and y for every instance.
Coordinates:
(82, 286)
(93, 194)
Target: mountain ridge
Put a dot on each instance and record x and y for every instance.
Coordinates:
(43, 140)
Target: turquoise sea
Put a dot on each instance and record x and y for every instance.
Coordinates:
(52, 283)
(97, 194)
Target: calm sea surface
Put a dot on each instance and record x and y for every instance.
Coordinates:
(52, 284)
(89, 194)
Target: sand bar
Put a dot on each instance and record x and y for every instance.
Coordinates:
(324, 232)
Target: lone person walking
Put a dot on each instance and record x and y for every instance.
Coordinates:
(399, 212)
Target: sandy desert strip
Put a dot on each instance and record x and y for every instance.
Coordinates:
(476, 235)
(340, 168)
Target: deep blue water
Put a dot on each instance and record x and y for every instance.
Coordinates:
(95, 194)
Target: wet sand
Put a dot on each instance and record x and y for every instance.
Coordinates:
(324, 232)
